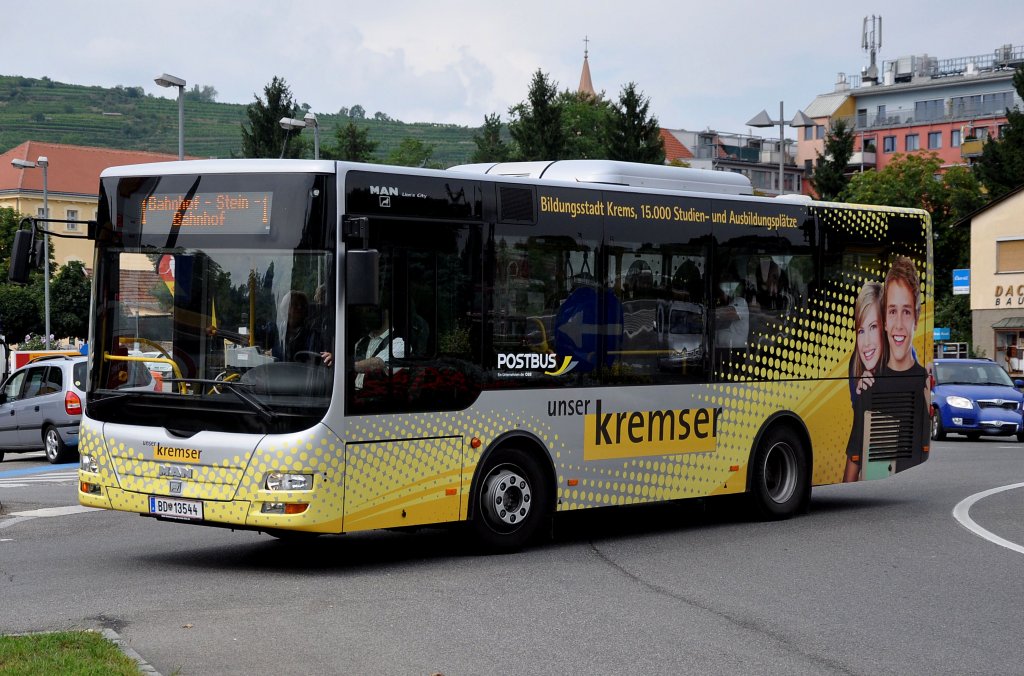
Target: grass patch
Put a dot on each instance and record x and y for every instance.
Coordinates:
(70, 653)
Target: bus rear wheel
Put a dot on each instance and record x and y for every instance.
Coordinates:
(511, 501)
(779, 482)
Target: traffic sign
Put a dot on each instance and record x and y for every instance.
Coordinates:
(961, 282)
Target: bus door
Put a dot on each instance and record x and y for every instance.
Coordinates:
(412, 358)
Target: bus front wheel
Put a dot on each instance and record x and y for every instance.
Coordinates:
(779, 482)
(511, 501)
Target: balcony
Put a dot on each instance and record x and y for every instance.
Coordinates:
(862, 159)
(972, 148)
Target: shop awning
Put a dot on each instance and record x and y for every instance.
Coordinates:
(1009, 323)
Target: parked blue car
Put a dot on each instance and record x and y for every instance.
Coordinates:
(975, 397)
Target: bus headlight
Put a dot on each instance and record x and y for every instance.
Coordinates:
(279, 481)
(86, 463)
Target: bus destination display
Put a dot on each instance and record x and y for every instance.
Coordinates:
(235, 213)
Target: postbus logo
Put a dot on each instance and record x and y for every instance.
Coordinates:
(551, 364)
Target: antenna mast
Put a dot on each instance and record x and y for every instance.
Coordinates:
(871, 42)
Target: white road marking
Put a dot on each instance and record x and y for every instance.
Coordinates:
(67, 476)
(962, 514)
(55, 511)
(18, 517)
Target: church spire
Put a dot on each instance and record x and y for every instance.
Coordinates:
(586, 86)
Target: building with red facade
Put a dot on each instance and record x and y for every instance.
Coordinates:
(914, 104)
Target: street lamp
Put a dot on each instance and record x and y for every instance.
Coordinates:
(290, 123)
(166, 80)
(799, 120)
(42, 163)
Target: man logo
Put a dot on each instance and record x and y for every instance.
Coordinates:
(384, 190)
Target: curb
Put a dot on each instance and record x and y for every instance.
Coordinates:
(115, 638)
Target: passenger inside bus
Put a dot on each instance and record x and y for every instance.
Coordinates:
(296, 336)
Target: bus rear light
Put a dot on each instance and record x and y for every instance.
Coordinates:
(573, 482)
(72, 403)
(87, 463)
(91, 489)
(734, 468)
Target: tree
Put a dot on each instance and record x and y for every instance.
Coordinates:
(20, 311)
(21, 307)
(489, 146)
(357, 112)
(536, 125)
(206, 94)
(829, 178)
(1001, 165)
(411, 153)
(353, 144)
(264, 136)
(915, 181)
(586, 120)
(69, 293)
(633, 136)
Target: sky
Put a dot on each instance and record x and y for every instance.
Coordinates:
(701, 64)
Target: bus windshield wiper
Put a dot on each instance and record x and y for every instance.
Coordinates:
(238, 389)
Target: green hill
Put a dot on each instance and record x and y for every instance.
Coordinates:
(128, 118)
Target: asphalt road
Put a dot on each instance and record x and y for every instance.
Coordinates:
(879, 578)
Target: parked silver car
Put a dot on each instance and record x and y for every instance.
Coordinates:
(41, 407)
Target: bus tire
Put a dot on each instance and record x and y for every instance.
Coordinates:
(511, 501)
(779, 478)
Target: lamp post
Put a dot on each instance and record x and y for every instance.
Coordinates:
(43, 163)
(290, 123)
(166, 80)
(799, 120)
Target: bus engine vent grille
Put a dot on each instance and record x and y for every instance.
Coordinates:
(516, 205)
(890, 429)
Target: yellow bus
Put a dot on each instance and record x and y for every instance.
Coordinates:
(350, 347)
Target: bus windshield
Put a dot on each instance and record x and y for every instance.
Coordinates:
(216, 299)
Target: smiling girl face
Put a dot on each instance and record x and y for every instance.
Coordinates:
(869, 337)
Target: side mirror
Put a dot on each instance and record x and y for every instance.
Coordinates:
(1018, 383)
(21, 254)
(362, 277)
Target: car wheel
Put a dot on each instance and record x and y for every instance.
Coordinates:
(779, 481)
(511, 501)
(974, 436)
(938, 431)
(1020, 437)
(56, 449)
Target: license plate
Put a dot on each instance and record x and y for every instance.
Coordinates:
(176, 509)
